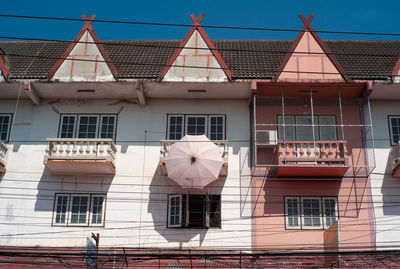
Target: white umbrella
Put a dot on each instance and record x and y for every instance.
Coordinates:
(194, 161)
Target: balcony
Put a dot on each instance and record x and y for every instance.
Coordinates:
(222, 144)
(312, 158)
(395, 160)
(3, 154)
(80, 156)
(311, 130)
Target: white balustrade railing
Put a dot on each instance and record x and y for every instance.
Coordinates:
(95, 149)
(222, 144)
(3, 153)
(395, 157)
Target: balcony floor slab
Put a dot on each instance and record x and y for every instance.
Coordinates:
(80, 167)
(329, 172)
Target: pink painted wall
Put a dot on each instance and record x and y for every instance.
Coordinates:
(354, 195)
(268, 222)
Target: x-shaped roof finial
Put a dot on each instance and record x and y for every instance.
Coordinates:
(307, 22)
(197, 21)
(88, 22)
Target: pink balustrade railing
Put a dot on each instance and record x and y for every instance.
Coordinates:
(330, 152)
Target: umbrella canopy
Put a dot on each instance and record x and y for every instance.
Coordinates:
(194, 161)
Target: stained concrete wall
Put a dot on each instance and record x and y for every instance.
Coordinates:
(385, 188)
(136, 206)
(195, 63)
(84, 63)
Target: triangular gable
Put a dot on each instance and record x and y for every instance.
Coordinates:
(196, 58)
(309, 58)
(85, 59)
(396, 72)
(3, 71)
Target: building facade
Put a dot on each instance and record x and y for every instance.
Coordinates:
(87, 127)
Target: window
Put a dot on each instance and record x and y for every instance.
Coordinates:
(61, 208)
(87, 126)
(5, 125)
(194, 211)
(310, 212)
(79, 209)
(217, 127)
(330, 209)
(212, 126)
(175, 127)
(394, 129)
(292, 213)
(196, 125)
(300, 128)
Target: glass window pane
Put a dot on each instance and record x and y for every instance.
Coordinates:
(107, 127)
(4, 127)
(79, 209)
(292, 212)
(97, 209)
(311, 212)
(304, 128)
(196, 125)
(175, 127)
(174, 210)
(217, 127)
(327, 128)
(61, 208)
(289, 133)
(87, 127)
(395, 128)
(330, 215)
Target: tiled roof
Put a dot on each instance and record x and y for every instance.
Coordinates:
(247, 59)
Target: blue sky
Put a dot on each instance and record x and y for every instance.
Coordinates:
(339, 15)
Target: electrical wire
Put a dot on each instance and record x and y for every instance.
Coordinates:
(191, 25)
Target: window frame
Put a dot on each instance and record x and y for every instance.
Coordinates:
(184, 211)
(223, 126)
(317, 126)
(89, 211)
(78, 125)
(184, 125)
(103, 206)
(323, 208)
(205, 117)
(10, 123)
(392, 143)
(312, 227)
(169, 125)
(75, 116)
(54, 223)
(98, 124)
(170, 197)
(287, 213)
(322, 216)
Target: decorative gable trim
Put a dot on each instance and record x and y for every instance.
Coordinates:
(395, 73)
(86, 27)
(3, 69)
(307, 27)
(196, 26)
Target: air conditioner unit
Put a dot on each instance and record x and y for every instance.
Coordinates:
(266, 137)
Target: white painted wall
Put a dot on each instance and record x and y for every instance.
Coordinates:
(385, 188)
(136, 207)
